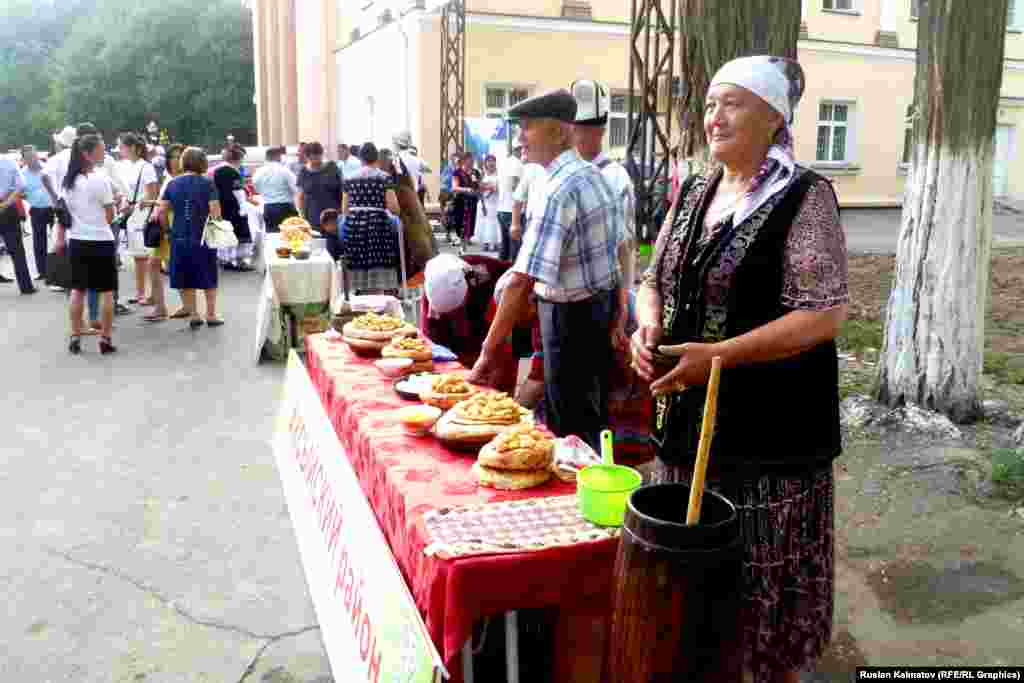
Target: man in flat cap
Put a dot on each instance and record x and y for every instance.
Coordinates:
(569, 259)
(592, 105)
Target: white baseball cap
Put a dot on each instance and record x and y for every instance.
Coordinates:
(445, 283)
(592, 102)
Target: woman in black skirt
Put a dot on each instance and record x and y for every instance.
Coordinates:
(751, 267)
(230, 189)
(90, 241)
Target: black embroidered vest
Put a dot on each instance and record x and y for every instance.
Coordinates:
(775, 417)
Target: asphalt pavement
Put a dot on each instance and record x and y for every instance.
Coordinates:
(876, 231)
(145, 535)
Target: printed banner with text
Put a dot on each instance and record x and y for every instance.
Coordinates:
(371, 628)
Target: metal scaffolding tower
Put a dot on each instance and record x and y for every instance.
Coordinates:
(453, 77)
(653, 89)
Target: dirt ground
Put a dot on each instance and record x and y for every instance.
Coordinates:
(871, 277)
(928, 544)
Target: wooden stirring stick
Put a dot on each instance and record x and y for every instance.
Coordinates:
(707, 433)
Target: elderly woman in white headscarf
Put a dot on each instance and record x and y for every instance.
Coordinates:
(750, 266)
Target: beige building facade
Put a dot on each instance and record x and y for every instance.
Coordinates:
(362, 70)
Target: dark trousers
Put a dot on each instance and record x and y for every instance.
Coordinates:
(41, 220)
(509, 247)
(275, 214)
(578, 359)
(10, 231)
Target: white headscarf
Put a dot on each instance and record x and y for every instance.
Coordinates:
(445, 284)
(780, 83)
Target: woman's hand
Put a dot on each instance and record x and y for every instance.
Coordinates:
(693, 368)
(643, 343)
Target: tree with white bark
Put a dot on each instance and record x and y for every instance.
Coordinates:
(935, 329)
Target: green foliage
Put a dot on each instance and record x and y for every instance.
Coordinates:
(856, 335)
(1008, 465)
(30, 33)
(1008, 368)
(187, 64)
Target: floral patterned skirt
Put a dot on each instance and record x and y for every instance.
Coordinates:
(788, 572)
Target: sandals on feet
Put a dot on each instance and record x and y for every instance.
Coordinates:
(155, 318)
(75, 344)
(195, 323)
(107, 345)
(180, 314)
(214, 322)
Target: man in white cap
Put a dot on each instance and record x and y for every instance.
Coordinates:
(416, 166)
(569, 260)
(593, 103)
(459, 307)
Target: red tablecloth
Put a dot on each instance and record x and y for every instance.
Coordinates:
(404, 477)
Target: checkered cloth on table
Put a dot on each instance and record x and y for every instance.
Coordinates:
(510, 527)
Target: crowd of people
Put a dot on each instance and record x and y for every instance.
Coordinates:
(159, 201)
(91, 214)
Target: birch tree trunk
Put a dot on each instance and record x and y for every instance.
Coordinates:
(935, 331)
(714, 32)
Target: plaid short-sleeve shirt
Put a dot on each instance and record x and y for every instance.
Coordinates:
(570, 244)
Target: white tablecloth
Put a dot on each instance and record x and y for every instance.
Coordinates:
(290, 282)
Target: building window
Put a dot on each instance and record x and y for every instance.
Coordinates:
(499, 99)
(618, 119)
(838, 5)
(834, 120)
(908, 136)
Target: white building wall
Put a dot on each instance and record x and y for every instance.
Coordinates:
(372, 88)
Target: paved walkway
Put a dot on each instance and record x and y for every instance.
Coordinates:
(145, 533)
(876, 231)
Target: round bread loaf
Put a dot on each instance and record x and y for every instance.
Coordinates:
(446, 391)
(519, 448)
(508, 480)
(380, 328)
(416, 349)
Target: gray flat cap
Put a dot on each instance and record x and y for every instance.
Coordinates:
(557, 104)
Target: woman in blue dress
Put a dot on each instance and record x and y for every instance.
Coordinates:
(193, 197)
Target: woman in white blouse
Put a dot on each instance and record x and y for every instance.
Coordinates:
(139, 177)
(90, 241)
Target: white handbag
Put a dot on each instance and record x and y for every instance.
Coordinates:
(219, 234)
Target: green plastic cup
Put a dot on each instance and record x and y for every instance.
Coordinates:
(602, 490)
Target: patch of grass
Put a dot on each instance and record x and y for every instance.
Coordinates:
(1006, 367)
(858, 334)
(856, 381)
(1007, 465)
